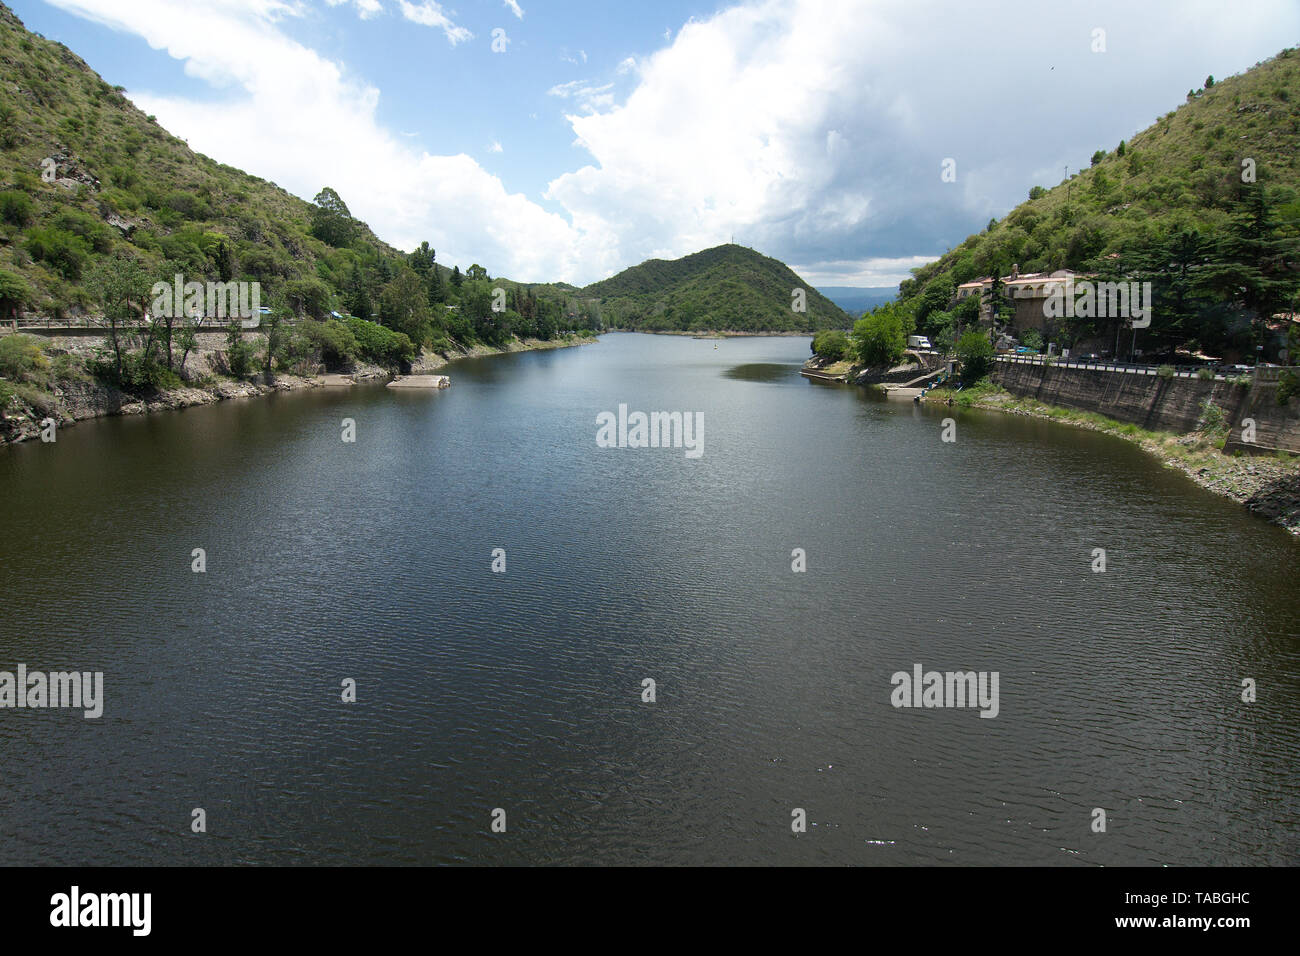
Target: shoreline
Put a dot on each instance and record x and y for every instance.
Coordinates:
(87, 400)
(1268, 486)
(714, 334)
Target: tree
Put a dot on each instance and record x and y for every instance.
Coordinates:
(421, 260)
(168, 319)
(880, 336)
(456, 277)
(356, 297)
(122, 287)
(997, 306)
(274, 325)
(331, 222)
(1254, 262)
(13, 294)
(308, 297)
(831, 345)
(404, 307)
(476, 272)
(975, 352)
(239, 356)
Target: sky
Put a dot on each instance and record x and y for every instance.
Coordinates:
(565, 141)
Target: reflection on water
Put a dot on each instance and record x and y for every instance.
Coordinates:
(372, 561)
(763, 372)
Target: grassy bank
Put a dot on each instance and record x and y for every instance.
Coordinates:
(1268, 485)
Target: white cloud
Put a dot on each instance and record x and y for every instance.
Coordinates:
(812, 129)
(429, 13)
(816, 127)
(515, 8)
(303, 122)
(586, 95)
(577, 59)
(861, 272)
(366, 9)
(495, 147)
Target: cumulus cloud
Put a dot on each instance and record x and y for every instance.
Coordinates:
(816, 128)
(303, 122)
(813, 130)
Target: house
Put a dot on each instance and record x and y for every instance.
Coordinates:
(1029, 293)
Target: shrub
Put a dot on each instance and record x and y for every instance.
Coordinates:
(1165, 371)
(37, 399)
(975, 352)
(22, 358)
(63, 251)
(831, 345)
(880, 336)
(332, 341)
(15, 207)
(379, 344)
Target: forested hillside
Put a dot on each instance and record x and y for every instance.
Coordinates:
(1203, 204)
(726, 288)
(98, 202)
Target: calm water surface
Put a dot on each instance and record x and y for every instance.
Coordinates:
(522, 690)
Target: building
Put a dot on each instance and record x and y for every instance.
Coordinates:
(1029, 293)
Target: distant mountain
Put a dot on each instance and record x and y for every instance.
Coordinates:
(727, 288)
(858, 299)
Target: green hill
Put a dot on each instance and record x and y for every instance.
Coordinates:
(122, 185)
(727, 288)
(1174, 204)
(94, 194)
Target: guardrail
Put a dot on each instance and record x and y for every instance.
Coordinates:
(1180, 371)
(88, 325)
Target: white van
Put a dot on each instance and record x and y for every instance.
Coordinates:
(918, 342)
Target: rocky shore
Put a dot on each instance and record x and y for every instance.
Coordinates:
(83, 399)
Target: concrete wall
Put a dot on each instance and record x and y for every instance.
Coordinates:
(1277, 427)
(1164, 404)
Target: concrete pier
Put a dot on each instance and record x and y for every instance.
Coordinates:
(420, 381)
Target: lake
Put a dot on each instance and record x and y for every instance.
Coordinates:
(372, 561)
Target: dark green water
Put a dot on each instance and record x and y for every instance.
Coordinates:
(522, 690)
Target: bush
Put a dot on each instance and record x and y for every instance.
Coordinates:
(880, 336)
(37, 399)
(15, 207)
(381, 345)
(332, 341)
(141, 374)
(831, 345)
(22, 359)
(62, 250)
(1165, 371)
(1205, 374)
(975, 352)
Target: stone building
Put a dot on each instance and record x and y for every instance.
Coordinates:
(1028, 292)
